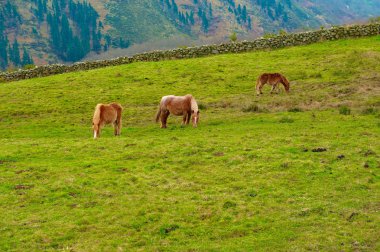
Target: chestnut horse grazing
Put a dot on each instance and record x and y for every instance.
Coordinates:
(185, 106)
(272, 79)
(107, 114)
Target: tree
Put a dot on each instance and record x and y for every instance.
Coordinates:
(15, 53)
(26, 59)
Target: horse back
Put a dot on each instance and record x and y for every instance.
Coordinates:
(110, 113)
(271, 78)
(177, 105)
(117, 107)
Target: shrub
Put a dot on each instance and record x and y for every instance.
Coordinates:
(344, 110)
(282, 32)
(374, 20)
(295, 110)
(251, 108)
(29, 66)
(11, 69)
(202, 106)
(316, 75)
(164, 230)
(369, 111)
(229, 204)
(269, 35)
(233, 37)
(286, 120)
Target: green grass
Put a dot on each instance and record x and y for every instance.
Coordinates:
(245, 180)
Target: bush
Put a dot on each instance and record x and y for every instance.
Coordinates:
(369, 111)
(295, 110)
(269, 35)
(11, 69)
(282, 33)
(374, 20)
(29, 66)
(202, 106)
(251, 108)
(316, 75)
(344, 110)
(286, 120)
(233, 37)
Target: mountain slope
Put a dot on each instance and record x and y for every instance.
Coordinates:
(54, 31)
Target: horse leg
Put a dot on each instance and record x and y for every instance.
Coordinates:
(164, 117)
(188, 118)
(118, 122)
(273, 88)
(184, 119)
(119, 127)
(98, 132)
(115, 130)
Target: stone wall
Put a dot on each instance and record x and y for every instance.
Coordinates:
(294, 39)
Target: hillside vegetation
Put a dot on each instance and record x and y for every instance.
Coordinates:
(51, 31)
(246, 179)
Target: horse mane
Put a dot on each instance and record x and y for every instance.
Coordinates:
(96, 118)
(194, 105)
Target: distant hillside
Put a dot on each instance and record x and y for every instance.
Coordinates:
(50, 31)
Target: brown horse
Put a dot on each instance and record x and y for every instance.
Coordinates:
(185, 106)
(272, 79)
(107, 114)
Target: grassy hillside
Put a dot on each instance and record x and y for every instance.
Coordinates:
(245, 179)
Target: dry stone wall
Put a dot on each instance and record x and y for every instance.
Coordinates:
(276, 42)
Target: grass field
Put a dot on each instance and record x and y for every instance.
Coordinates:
(246, 179)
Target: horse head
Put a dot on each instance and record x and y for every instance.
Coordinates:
(95, 128)
(286, 84)
(195, 117)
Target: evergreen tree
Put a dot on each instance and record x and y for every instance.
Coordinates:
(15, 53)
(26, 59)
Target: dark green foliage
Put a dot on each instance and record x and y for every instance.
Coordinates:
(3, 44)
(26, 59)
(295, 110)
(165, 230)
(40, 10)
(73, 43)
(251, 108)
(370, 111)
(9, 18)
(286, 120)
(240, 13)
(182, 19)
(14, 54)
(344, 110)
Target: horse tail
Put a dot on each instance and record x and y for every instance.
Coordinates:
(119, 113)
(96, 118)
(158, 114)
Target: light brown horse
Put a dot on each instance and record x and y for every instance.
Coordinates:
(107, 114)
(272, 79)
(185, 106)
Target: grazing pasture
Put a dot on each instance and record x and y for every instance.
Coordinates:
(276, 172)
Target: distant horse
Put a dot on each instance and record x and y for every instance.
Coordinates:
(272, 79)
(185, 106)
(107, 114)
